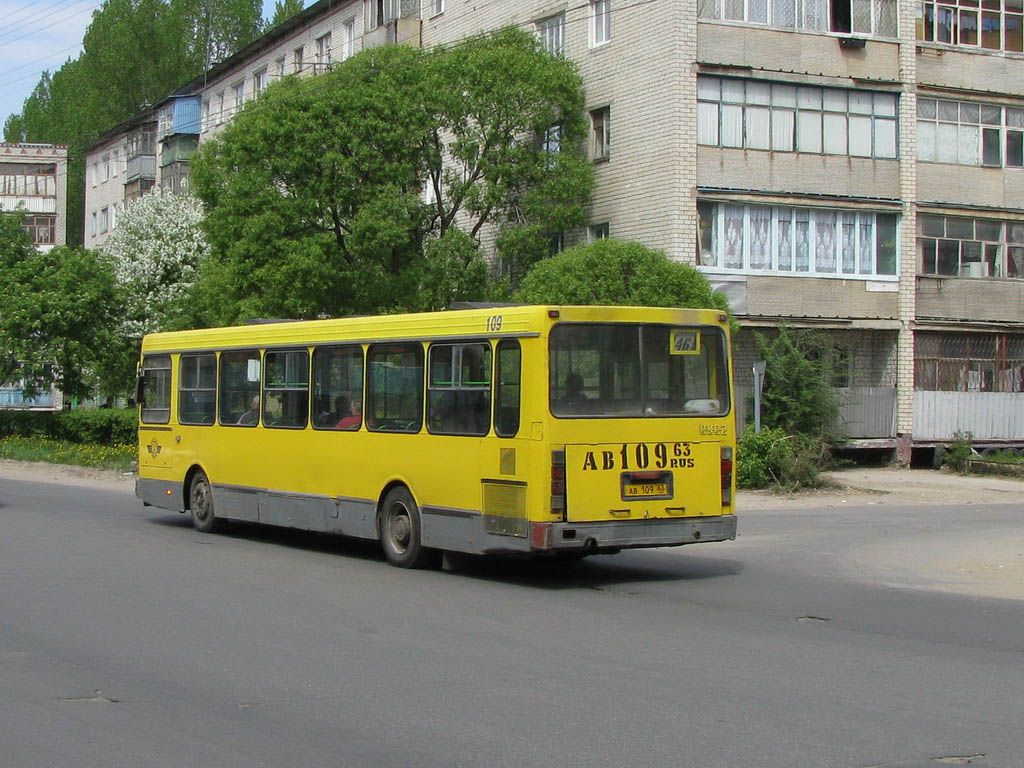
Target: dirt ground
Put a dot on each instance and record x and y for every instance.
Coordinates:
(982, 568)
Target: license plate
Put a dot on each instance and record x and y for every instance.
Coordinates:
(644, 490)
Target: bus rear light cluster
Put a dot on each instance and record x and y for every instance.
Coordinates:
(558, 483)
(726, 475)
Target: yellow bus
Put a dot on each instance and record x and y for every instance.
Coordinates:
(568, 430)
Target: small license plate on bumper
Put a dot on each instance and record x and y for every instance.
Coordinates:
(646, 485)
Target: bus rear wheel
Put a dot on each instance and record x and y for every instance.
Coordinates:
(200, 502)
(401, 532)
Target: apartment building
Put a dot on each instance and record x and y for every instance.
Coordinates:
(120, 166)
(34, 178)
(853, 166)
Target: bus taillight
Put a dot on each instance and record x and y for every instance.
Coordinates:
(558, 483)
(726, 475)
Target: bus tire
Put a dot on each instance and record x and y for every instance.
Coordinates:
(401, 532)
(200, 503)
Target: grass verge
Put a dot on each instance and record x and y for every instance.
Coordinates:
(45, 449)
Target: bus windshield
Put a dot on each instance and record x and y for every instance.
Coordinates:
(633, 370)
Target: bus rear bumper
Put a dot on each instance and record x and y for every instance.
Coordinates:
(626, 534)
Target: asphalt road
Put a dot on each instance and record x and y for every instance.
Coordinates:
(128, 639)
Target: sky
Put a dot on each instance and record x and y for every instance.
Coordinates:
(37, 35)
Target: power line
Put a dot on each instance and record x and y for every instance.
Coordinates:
(49, 13)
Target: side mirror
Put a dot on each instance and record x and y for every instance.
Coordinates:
(140, 391)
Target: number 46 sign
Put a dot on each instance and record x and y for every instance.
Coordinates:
(684, 342)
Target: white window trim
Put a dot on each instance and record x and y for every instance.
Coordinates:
(602, 152)
(436, 8)
(600, 23)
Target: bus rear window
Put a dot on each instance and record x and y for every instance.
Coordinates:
(631, 371)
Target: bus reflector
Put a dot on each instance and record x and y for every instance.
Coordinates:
(726, 475)
(558, 483)
(540, 535)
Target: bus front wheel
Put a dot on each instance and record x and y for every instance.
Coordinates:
(200, 498)
(400, 531)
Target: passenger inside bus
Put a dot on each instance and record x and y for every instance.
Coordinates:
(252, 416)
(354, 418)
(574, 398)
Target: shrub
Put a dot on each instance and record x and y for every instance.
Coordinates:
(97, 426)
(773, 457)
(958, 452)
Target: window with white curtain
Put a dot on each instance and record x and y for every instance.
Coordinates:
(970, 133)
(552, 34)
(786, 240)
(754, 114)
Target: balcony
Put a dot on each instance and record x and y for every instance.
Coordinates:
(395, 32)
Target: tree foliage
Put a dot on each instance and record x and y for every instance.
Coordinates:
(617, 272)
(799, 371)
(338, 194)
(58, 310)
(156, 250)
(134, 53)
(284, 10)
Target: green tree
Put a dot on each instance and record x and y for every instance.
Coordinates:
(134, 53)
(58, 311)
(332, 195)
(617, 272)
(284, 10)
(799, 370)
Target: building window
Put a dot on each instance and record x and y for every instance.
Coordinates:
(969, 362)
(259, 82)
(348, 39)
(601, 21)
(969, 133)
(221, 116)
(104, 223)
(279, 67)
(552, 34)
(796, 241)
(753, 114)
(29, 179)
(117, 161)
(93, 173)
(600, 125)
(995, 25)
(383, 11)
(551, 145)
(40, 228)
(436, 7)
(92, 224)
(297, 60)
(238, 92)
(963, 247)
(323, 52)
(598, 232)
(873, 18)
(113, 217)
(205, 113)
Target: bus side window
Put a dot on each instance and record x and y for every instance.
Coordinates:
(394, 390)
(197, 389)
(240, 388)
(156, 389)
(459, 389)
(507, 378)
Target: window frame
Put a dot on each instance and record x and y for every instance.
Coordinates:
(787, 229)
(183, 388)
(155, 362)
(498, 385)
(600, 133)
(255, 389)
(774, 116)
(457, 386)
(315, 382)
(372, 394)
(269, 389)
(551, 31)
(600, 22)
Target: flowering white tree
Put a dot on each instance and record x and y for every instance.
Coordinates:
(157, 249)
